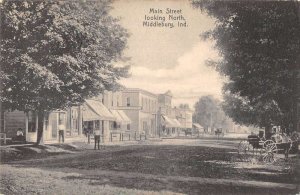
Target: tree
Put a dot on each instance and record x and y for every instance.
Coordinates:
(55, 54)
(259, 44)
(208, 113)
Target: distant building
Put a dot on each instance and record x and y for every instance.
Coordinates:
(168, 124)
(185, 117)
(141, 107)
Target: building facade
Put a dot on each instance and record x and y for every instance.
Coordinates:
(121, 126)
(141, 107)
(96, 116)
(30, 123)
(167, 116)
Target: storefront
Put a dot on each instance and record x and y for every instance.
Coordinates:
(197, 129)
(30, 123)
(169, 126)
(120, 127)
(96, 116)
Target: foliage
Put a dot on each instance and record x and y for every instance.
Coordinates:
(260, 44)
(208, 113)
(54, 54)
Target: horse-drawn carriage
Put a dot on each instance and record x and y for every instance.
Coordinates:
(267, 149)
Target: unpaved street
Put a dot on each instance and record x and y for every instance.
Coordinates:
(173, 166)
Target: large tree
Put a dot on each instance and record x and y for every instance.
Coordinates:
(208, 113)
(259, 44)
(55, 54)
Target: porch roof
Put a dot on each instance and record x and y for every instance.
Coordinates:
(197, 125)
(177, 122)
(126, 119)
(116, 115)
(169, 122)
(96, 111)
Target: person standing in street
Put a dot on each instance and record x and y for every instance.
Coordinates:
(61, 133)
(97, 138)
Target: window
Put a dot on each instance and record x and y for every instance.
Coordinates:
(46, 121)
(117, 100)
(74, 119)
(128, 101)
(112, 102)
(31, 122)
(114, 125)
(146, 104)
(145, 126)
(97, 124)
(128, 126)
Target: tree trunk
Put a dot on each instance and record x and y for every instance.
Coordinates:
(40, 128)
(296, 96)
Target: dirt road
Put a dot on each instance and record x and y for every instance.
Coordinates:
(148, 169)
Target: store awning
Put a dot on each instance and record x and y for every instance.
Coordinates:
(169, 122)
(126, 119)
(198, 126)
(120, 116)
(177, 122)
(117, 115)
(89, 115)
(93, 108)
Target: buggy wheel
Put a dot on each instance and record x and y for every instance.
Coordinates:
(244, 150)
(270, 149)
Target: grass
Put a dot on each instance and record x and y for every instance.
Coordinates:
(33, 152)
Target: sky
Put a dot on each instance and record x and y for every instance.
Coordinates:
(164, 58)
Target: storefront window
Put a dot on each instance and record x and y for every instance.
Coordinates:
(46, 121)
(145, 126)
(128, 126)
(114, 125)
(91, 126)
(97, 124)
(75, 121)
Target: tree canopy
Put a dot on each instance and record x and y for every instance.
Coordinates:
(259, 44)
(208, 113)
(55, 54)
